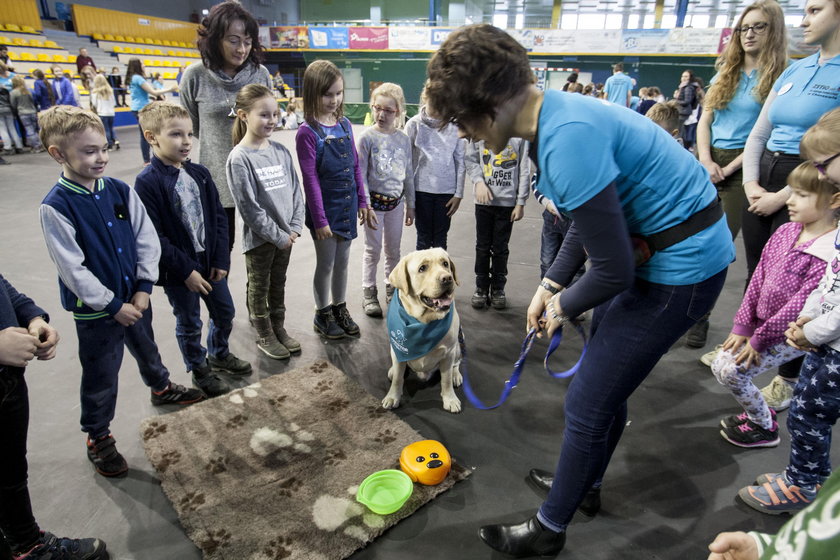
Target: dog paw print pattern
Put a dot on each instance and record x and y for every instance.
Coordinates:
(427, 462)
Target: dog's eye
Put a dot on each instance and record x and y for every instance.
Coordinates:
(434, 455)
(420, 459)
(445, 264)
(422, 268)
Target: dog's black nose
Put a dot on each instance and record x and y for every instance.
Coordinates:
(436, 464)
(446, 280)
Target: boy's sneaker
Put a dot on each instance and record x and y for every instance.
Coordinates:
(107, 461)
(738, 419)
(777, 495)
(778, 393)
(230, 365)
(177, 394)
(205, 379)
(498, 299)
(50, 547)
(750, 434)
(370, 302)
(389, 293)
(480, 298)
(709, 357)
(344, 320)
(116, 144)
(325, 324)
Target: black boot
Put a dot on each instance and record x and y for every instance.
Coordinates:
(591, 503)
(528, 538)
(325, 324)
(344, 320)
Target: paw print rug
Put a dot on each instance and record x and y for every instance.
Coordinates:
(270, 471)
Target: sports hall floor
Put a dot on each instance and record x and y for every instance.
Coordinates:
(670, 488)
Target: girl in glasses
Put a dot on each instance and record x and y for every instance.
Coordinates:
(752, 60)
(385, 161)
(801, 94)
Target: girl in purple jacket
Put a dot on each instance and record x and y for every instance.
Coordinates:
(791, 265)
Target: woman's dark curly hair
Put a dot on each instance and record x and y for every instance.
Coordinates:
(212, 31)
(477, 68)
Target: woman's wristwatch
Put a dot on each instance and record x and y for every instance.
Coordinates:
(548, 287)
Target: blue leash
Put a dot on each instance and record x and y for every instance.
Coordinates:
(520, 364)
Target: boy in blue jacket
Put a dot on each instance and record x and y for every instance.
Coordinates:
(105, 248)
(184, 206)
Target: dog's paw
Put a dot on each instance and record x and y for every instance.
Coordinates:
(452, 404)
(457, 378)
(390, 402)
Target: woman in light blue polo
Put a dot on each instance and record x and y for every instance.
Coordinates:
(649, 218)
(140, 90)
(805, 91)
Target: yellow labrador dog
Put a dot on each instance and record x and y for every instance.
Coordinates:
(423, 325)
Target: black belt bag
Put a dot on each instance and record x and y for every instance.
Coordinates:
(644, 246)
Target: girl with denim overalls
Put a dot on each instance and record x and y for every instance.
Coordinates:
(335, 194)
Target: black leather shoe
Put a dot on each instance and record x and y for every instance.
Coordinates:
(591, 503)
(528, 538)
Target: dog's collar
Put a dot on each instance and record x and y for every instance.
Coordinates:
(410, 339)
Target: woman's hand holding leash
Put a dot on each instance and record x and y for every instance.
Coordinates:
(538, 305)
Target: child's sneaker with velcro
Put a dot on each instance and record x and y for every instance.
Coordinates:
(777, 495)
(737, 419)
(50, 547)
(107, 461)
(778, 393)
(750, 434)
(177, 394)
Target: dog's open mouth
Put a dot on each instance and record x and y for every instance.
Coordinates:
(442, 303)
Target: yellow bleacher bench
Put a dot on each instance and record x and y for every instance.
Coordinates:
(146, 51)
(12, 27)
(13, 56)
(130, 39)
(28, 29)
(5, 40)
(98, 37)
(51, 45)
(20, 42)
(148, 41)
(158, 42)
(71, 58)
(169, 63)
(147, 62)
(109, 37)
(118, 49)
(2, 27)
(41, 57)
(167, 43)
(26, 56)
(119, 39)
(157, 52)
(171, 53)
(59, 58)
(35, 43)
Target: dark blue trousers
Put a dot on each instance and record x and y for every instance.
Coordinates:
(630, 333)
(431, 220)
(101, 343)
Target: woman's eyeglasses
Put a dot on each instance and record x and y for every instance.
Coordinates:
(387, 111)
(758, 28)
(823, 165)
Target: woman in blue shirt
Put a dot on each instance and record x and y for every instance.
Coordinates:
(803, 92)
(630, 186)
(140, 90)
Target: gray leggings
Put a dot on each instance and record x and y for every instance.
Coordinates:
(331, 257)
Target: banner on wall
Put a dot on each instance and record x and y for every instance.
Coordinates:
(688, 40)
(288, 37)
(408, 38)
(334, 38)
(644, 40)
(369, 38)
(725, 37)
(438, 36)
(524, 37)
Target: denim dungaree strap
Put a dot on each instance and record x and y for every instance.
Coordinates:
(338, 182)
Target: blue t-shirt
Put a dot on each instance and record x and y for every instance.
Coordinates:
(617, 87)
(584, 144)
(732, 125)
(805, 91)
(139, 96)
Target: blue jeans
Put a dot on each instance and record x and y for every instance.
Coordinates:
(554, 231)
(186, 306)
(814, 410)
(144, 146)
(431, 220)
(30, 129)
(101, 343)
(108, 123)
(630, 333)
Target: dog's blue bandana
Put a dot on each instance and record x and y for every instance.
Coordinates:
(410, 338)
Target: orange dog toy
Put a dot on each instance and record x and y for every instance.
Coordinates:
(427, 462)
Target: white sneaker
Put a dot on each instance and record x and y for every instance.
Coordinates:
(778, 393)
(709, 357)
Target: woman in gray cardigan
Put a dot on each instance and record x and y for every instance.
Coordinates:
(228, 40)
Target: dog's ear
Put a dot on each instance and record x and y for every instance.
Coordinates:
(399, 276)
(454, 274)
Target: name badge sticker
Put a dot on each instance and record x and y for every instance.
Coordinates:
(785, 88)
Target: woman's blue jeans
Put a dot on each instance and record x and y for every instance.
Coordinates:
(630, 333)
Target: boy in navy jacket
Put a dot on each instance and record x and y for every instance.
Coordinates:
(184, 206)
(105, 248)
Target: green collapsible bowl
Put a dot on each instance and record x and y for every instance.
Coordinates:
(385, 492)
